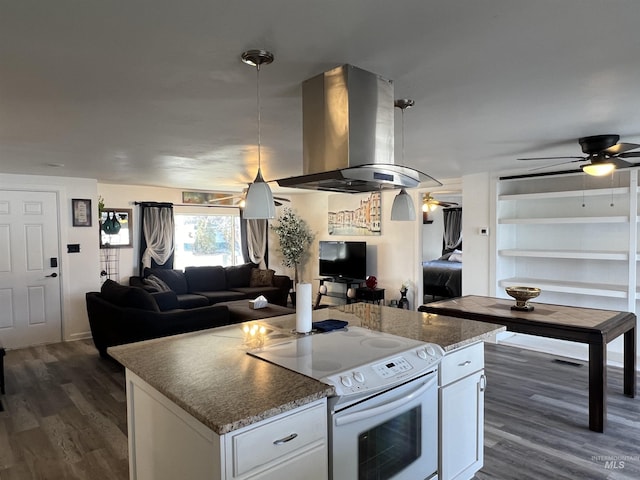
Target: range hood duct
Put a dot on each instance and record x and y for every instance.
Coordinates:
(348, 131)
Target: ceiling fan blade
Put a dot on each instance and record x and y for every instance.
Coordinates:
(555, 164)
(621, 148)
(553, 158)
(629, 155)
(619, 163)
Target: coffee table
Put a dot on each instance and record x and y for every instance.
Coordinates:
(239, 311)
(585, 325)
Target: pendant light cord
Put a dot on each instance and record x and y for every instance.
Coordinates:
(258, 107)
(403, 136)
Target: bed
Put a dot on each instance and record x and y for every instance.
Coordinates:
(442, 277)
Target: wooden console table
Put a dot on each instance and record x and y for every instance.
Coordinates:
(584, 325)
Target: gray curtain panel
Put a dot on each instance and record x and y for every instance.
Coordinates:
(452, 238)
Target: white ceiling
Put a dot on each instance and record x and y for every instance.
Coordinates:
(154, 93)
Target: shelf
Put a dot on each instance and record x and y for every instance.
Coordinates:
(579, 288)
(565, 194)
(569, 254)
(563, 220)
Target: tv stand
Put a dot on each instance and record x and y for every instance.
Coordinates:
(349, 282)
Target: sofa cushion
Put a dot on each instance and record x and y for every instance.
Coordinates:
(222, 295)
(205, 279)
(261, 278)
(272, 294)
(166, 300)
(192, 300)
(157, 283)
(132, 297)
(239, 275)
(175, 279)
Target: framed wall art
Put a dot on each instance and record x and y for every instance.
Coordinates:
(355, 214)
(81, 212)
(116, 228)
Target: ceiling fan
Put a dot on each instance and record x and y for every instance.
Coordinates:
(238, 199)
(603, 152)
(430, 204)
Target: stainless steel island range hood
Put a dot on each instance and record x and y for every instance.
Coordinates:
(348, 132)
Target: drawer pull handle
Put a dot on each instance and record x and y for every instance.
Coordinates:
(464, 364)
(285, 439)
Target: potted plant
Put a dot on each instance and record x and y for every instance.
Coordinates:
(295, 237)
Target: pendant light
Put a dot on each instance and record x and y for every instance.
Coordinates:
(259, 200)
(402, 209)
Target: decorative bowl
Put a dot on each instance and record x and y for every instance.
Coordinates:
(371, 281)
(522, 296)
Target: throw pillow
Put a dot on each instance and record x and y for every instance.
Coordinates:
(156, 283)
(456, 256)
(175, 279)
(261, 278)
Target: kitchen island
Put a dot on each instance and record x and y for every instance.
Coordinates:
(207, 380)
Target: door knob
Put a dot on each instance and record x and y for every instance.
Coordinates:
(53, 275)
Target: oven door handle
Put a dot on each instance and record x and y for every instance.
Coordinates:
(385, 407)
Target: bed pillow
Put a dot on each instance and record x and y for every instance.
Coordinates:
(456, 256)
(445, 256)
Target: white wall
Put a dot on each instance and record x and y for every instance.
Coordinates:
(478, 205)
(79, 272)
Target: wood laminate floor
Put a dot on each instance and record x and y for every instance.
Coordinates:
(65, 418)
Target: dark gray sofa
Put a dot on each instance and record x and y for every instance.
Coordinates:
(120, 314)
(208, 285)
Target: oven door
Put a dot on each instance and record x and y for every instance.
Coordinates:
(393, 435)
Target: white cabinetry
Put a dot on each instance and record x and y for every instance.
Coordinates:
(165, 442)
(461, 419)
(572, 235)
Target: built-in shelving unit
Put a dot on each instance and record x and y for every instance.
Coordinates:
(572, 235)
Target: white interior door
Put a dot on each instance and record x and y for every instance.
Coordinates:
(29, 275)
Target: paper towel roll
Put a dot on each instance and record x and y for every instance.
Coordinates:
(303, 307)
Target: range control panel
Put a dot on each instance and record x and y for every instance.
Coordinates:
(387, 372)
(392, 367)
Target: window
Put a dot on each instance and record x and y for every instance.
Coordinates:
(211, 239)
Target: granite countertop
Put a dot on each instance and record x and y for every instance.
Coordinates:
(209, 374)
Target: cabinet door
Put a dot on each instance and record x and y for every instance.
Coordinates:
(462, 427)
(311, 464)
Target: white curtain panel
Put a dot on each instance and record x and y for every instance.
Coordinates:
(158, 230)
(257, 241)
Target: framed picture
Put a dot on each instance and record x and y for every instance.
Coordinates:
(81, 211)
(354, 214)
(116, 227)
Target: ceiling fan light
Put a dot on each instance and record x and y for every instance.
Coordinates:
(259, 201)
(598, 169)
(402, 209)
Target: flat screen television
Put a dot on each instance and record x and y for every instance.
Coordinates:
(347, 260)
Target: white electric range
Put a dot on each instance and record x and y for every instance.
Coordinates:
(383, 418)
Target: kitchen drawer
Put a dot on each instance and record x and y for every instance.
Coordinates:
(271, 441)
(462, 362)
